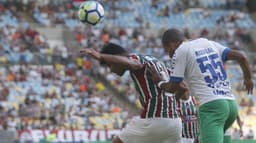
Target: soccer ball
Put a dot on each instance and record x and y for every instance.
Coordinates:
(91, 12)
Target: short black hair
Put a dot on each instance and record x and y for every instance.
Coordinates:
(172, 35)
(113, 49)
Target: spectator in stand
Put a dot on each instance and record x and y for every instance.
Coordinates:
(243, 103)
(154, 4)
(166, 11)
(250, 135)
(236, 134)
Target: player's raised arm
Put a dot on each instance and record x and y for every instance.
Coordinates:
(244, 64)
(121, 61)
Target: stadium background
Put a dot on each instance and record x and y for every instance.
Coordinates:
(48, 91)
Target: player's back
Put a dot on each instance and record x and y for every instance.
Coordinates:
(154, 101)
(204, 69)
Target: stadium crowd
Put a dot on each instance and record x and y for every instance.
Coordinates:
(45, 87)
(43, 90)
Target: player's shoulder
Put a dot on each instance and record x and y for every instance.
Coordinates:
(143, 58)
(148, 58)
(135, 57)
(193, 44)
(183, 48)
(196, 41)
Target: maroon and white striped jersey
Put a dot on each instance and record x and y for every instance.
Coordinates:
(154, 101)
(188, 112)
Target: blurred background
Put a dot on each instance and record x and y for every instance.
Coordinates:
(49, 93)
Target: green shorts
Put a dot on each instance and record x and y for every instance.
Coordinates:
(214, 118)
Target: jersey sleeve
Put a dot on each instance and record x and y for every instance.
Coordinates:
(178, 64)
(223, 51)
(135, 58)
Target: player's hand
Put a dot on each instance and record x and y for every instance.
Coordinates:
(91, 52)
(155, 76)
(248, 83)
(182, 92)
(181, 95)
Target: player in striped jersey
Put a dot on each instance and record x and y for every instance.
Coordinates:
(159, 121)
(188, 112)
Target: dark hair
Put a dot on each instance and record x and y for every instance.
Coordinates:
(113, 49)
(172, 35)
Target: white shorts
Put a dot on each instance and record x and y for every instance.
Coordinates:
(187, 140)
(154, 130)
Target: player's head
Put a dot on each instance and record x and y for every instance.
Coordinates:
(171, 40)
(114, 49)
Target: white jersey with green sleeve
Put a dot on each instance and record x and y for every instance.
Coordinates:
(200, 62)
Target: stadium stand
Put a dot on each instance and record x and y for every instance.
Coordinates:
(39, 88)
(52, 88)
(145, 14)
